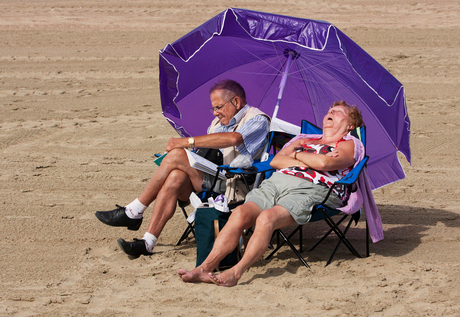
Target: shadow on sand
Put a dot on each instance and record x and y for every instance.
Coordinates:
(404, 228)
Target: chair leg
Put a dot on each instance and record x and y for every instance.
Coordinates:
(345, 241)
(186, 233)
(334, 227)
(188, 230)
(327, 234)
(293, 248)
(341, 235)
(280, 242)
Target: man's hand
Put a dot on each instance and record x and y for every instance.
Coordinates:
(177, 143)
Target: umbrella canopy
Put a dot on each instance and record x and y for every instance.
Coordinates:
(320, 65)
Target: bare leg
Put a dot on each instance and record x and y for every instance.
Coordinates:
(242, 218)
(268, 221)
(175, 160)
(177, 185)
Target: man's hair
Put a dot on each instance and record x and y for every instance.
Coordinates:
(356, 117)
(230, 88)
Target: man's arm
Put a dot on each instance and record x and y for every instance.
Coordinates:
(219, 140)
(254, 133)
(248, 139)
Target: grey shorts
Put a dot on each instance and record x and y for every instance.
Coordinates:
(208, 180)
(297, 195)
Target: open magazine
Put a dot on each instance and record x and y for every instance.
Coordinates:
(202, 164)
(198, 162)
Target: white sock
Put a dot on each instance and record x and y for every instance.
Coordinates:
(150, 241)
(135, 210)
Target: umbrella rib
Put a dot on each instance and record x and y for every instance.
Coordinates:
(299, 71)
(278, 71)
(254, 55)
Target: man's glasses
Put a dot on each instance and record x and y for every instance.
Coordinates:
(219, 108)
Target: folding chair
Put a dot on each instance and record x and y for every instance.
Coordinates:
(323, 212)
(320, 211)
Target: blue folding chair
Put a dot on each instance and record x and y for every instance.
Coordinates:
(323, 212)
(320, 211)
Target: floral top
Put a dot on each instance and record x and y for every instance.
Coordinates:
(324, 178)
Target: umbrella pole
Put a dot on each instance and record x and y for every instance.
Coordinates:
(283, 83)
(275, 112)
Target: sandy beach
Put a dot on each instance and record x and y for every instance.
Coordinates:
(80, 122)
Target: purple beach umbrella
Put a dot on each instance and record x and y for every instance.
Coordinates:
(290, 68)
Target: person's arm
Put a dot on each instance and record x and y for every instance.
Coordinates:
(343, 157)
(219, 140)
(254, 133)
(285, 157)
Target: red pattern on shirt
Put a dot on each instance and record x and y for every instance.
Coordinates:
(325, 178)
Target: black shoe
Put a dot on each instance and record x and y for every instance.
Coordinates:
(135, 248)
(118, 218)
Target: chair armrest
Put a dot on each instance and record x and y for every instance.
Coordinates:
(349, 179)
(353, 175)
(257, 167)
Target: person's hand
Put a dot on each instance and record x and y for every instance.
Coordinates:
(296, 151)
(333, 153)
(176, 143)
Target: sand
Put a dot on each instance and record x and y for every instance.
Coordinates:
(80, 121)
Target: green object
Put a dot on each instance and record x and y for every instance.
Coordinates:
(205, 235)
(157, 161)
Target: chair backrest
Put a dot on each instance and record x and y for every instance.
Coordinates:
(278, 140)
(280, 133)
(310, 128)
(360, 133)
(275, 143)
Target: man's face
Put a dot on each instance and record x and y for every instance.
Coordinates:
(225, 110)
(337, 118)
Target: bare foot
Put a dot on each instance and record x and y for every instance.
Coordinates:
(196, 275)
(227, 278)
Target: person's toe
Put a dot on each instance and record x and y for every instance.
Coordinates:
(215, 279)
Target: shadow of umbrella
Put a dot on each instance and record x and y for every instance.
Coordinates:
(404, 229)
